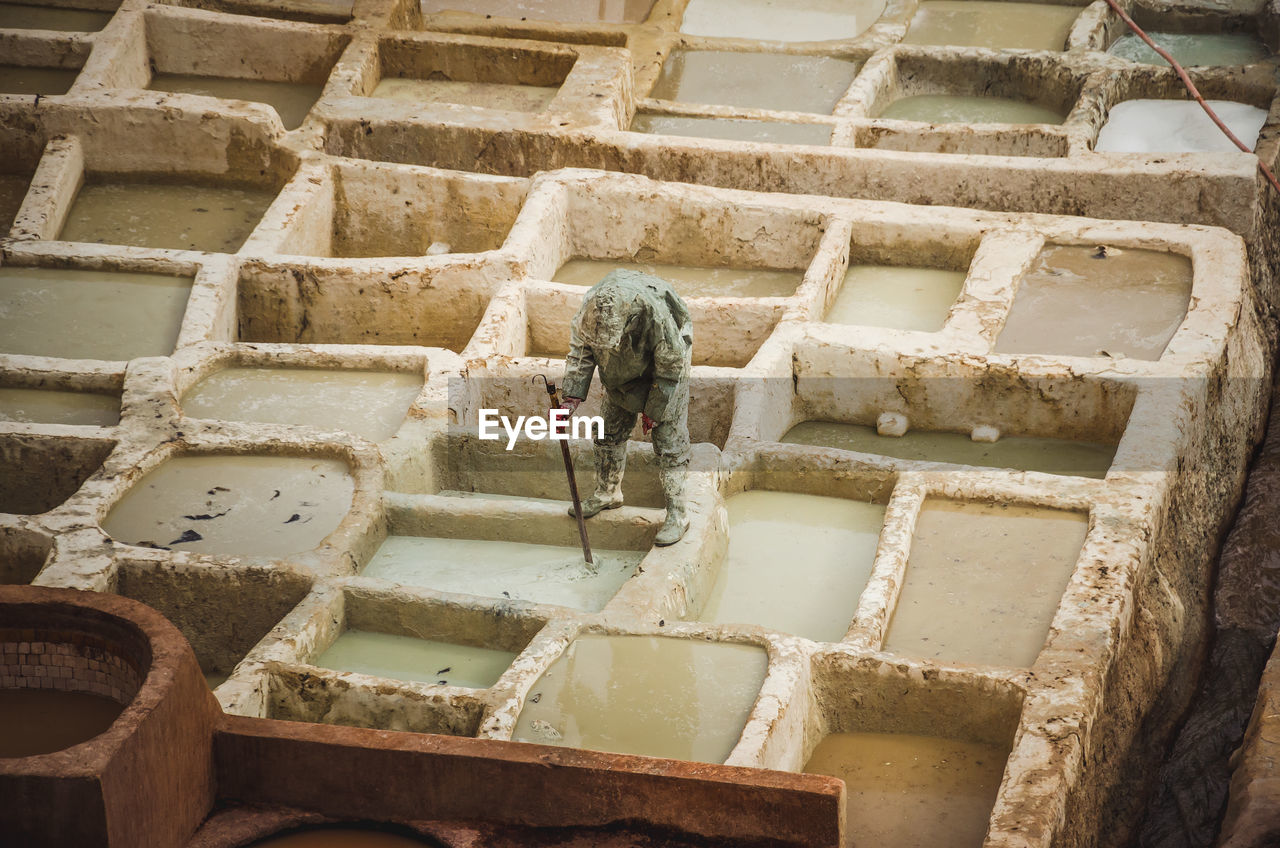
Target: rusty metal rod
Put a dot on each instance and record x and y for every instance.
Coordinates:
(568, 470)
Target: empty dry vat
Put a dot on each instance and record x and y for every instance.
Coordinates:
(724, 338)
(23, 553)
(39, 472)
(284, 66)
(705, 247)
(223, 612)
(279, 303)
(518, 79)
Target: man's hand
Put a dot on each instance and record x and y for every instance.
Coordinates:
(571, 404)
(646, 423)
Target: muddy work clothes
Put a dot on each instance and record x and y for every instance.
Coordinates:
(635, 331)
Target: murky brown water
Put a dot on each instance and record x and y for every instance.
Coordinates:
(41, 721)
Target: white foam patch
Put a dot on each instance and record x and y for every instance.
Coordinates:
(1178, 126)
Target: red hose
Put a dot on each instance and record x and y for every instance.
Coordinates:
(1191, 88)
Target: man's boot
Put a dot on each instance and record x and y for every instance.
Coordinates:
(677, 520)
(611, 461)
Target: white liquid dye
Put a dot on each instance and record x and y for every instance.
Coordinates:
(1178, 126)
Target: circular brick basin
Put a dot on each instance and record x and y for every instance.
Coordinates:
(97, 694)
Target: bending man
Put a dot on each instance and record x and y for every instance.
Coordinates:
(635, 330)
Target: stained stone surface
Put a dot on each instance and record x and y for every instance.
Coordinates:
(424, 237)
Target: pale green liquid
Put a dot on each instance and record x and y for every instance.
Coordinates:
(984, 581)
(993, 24)
(1023, 453)
(417, 660)
(907, 791)
(20, 79)
(90, 314)
(828, 545)
(371, 404)
(896, 297)
(182, 217)
(247, 505)
(291, 100)
(14, 16)
(1071, 304)
(968, 109)
(1192, 49)
(690, 281)
(755, 80)
(544, 574)
(683, 699)
(733, 129)
(42, 406)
